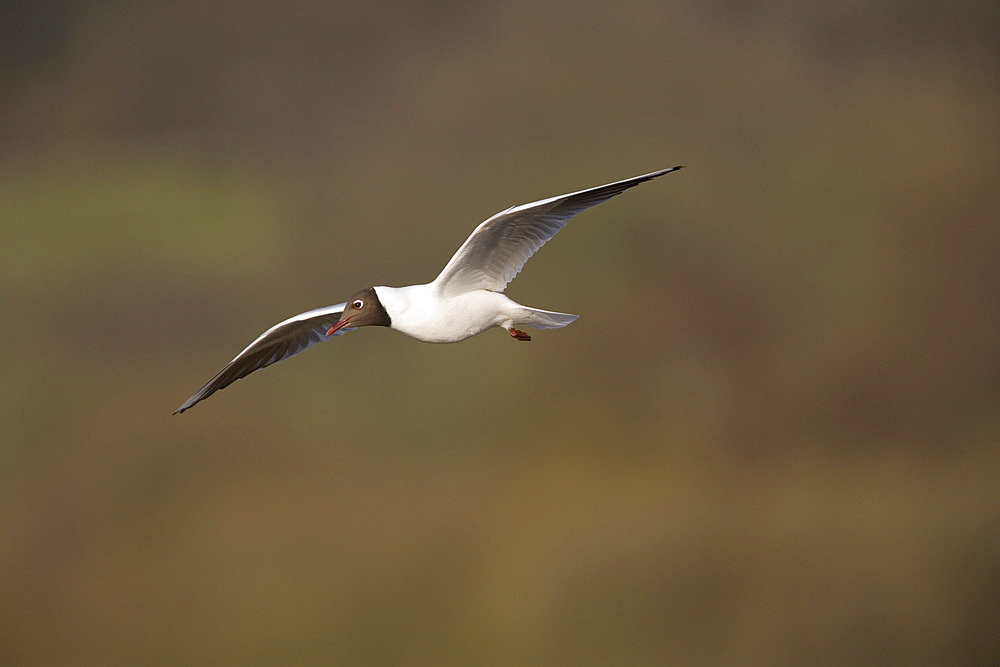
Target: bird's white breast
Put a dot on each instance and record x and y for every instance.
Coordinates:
(421, 312)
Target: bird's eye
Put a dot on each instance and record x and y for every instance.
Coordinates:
(358, 304)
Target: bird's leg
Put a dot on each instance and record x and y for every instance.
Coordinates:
(520, 335)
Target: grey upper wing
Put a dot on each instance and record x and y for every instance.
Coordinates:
(279, 342)
(499, 247)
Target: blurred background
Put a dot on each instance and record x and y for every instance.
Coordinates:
(771, 437)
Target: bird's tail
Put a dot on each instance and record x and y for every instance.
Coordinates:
(547, 319)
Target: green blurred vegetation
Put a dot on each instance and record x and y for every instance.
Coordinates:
(771, 438)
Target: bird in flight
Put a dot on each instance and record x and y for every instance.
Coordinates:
(464, 300)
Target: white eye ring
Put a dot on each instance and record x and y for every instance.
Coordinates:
(358, 303)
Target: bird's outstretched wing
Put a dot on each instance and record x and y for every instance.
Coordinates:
(499, 247)
(279, 342)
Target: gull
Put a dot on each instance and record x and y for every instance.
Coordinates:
(465, 299)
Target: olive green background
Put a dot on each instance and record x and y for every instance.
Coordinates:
(771, 437)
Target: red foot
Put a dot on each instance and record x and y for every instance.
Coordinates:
(520, 335)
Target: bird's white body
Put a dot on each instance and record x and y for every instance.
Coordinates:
(465, 299)
(424, 313)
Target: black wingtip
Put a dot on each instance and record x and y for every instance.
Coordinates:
(190, 403)
(661, 172)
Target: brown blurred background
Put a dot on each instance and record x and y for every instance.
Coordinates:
(771, 438)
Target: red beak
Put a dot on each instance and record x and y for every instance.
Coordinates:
(336, 327)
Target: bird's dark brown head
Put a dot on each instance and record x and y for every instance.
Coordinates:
(363, 310)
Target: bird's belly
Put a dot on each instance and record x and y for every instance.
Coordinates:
(453, 320)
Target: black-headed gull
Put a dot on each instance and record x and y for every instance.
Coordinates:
(464, 300)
